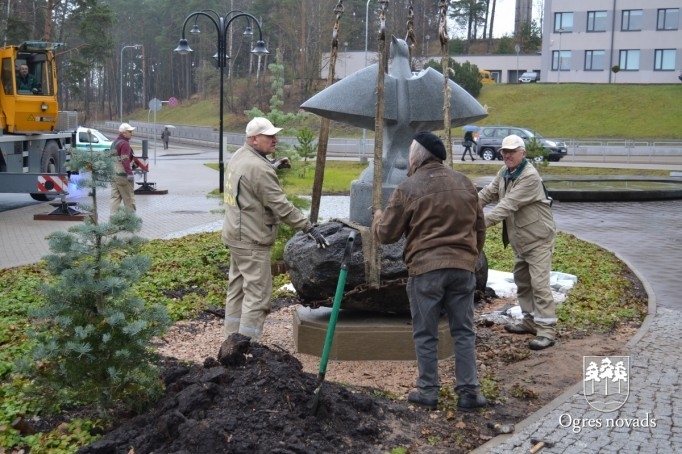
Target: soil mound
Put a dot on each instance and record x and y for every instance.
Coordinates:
(258, 400)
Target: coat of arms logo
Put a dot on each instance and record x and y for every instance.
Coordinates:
(606, 381)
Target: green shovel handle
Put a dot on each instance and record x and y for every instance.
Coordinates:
(338, 296)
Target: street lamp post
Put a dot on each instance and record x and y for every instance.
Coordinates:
(134, 46)
(222, 24)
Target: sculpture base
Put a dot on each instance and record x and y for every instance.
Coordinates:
(362, 336)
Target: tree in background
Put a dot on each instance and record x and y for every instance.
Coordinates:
(306, 148)
(530, 37)
(465, 75)
(276, 115)
(89, 48)
(469, 15)
(95, 32)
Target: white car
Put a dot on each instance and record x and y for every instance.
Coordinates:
(530, 77)
(96, 140)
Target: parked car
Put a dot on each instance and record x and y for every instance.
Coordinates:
(95, 140)
(490, 140)
(529, 77)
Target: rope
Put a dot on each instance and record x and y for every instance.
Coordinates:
(443, 34)
(323, 140)
(410, 36)
(374, 277)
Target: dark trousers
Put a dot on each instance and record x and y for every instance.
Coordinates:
(449, 291)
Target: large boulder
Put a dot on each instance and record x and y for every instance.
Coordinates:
(314, 272)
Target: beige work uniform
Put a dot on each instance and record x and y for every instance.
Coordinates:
(254, 207)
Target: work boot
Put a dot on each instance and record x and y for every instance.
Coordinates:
(540, 343)
(415, 397)
(469, 401)
(520, 328)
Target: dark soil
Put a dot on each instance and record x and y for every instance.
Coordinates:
(254, 399)
(257, 400)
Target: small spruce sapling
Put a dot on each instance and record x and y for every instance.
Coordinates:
(93, 333)
(306, 148)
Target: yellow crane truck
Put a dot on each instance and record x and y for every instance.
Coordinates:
(33, 149)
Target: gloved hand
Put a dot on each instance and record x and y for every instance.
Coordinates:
(131, 178)
(314, 234)
(282, 163)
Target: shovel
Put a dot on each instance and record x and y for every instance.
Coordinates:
(338, 296)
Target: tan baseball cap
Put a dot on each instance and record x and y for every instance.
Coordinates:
(512, 142)
(125, 127)
(260, 125)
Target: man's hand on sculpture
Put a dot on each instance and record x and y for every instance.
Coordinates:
(314, 234)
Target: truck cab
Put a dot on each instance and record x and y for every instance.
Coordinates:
(28, 99)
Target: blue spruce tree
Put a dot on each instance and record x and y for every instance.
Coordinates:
(93, 335)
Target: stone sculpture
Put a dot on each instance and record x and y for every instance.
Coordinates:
(412, 102)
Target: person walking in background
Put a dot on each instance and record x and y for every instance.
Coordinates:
(122, 187)
(437, 210)
(255, 205)
(165, 137)
(525, 211)
(467, 143)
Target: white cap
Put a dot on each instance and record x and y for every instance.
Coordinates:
(512, 142)
(260, 125)
(125, 127)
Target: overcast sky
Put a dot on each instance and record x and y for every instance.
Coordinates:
(504, 17)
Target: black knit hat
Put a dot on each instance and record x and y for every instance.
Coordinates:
(431, 142)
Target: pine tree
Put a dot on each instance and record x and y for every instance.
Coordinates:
(93, 334)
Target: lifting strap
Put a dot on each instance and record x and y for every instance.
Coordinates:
(409, 35)
(323, 139)
(374, 278)
(443, 34)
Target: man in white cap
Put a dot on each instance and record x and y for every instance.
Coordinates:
(255, 205)
(525, 211)
(123, 186)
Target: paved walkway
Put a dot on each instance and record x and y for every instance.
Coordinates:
(186, 206)
(647, 235)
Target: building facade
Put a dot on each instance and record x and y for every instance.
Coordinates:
(583, 40)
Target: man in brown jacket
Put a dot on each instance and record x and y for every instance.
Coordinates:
(255, 205)
(525, 211)
(437, 210)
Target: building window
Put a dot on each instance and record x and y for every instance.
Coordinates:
(594, 60)
(596, 21)
(563, 22)
(664, 60)
(629, 60)
(561, 59)
(668, 19)
(631, 20)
